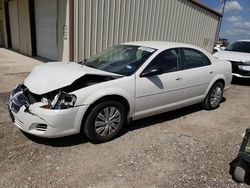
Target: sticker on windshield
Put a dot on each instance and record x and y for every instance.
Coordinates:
(129, 66)
(146, 49)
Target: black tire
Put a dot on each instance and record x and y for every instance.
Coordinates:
(90, 123)
(207, 103)
(240, 171)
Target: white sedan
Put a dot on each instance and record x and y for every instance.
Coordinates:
(127, 82)
(238, 53)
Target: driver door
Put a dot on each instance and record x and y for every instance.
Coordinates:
(158, 93)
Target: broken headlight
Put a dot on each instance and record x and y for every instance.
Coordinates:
(62, 100)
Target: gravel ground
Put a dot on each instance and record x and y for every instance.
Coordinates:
(190, 147)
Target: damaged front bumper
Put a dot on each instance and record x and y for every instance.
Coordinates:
(42, 122)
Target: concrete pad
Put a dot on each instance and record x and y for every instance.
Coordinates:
(12, 62)
(9, 81)
(14, 68)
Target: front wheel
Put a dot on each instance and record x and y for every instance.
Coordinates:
(214, 97)
(104, 121)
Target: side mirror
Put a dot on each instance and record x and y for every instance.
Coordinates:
(151, 72)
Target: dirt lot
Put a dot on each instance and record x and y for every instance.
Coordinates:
(190, 147)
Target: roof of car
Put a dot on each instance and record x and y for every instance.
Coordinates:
(161, 45)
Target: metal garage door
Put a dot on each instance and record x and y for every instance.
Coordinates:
(46, 28)
(14, 25)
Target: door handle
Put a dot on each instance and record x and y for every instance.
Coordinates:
(179, 78)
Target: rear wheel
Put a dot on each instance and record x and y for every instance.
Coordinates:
(105, 121)
(214, 97)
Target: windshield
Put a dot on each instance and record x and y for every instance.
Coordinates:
(122, 59)
(239, 46)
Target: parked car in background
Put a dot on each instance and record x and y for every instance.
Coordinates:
(238, 53)
(126, 82)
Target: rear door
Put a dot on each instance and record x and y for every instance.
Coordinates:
(196, 74)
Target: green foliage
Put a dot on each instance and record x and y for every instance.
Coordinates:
(247, 149)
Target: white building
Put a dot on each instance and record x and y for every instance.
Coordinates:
(77, 29)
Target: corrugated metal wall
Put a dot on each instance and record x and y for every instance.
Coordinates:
(46, 18)
(100, 24)
(1, 23)
(24, 27)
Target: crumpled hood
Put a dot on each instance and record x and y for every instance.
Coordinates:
(55, 75)
(233, 56)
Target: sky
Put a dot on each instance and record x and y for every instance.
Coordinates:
(236, 19)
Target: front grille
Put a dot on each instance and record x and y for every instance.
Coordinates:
(21, 96)
(15, 108)
(236, 70)
(17, 99)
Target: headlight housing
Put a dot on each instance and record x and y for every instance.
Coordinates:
(62, 100)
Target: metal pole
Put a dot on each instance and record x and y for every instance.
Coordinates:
(219, 27)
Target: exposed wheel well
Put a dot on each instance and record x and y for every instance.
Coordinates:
(221, 81)
(119, 98)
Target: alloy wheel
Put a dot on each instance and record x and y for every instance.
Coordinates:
(107, 121)
(216, 96)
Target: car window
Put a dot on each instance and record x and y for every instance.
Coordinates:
(193, 58)
(239, 46)
(167, 60)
